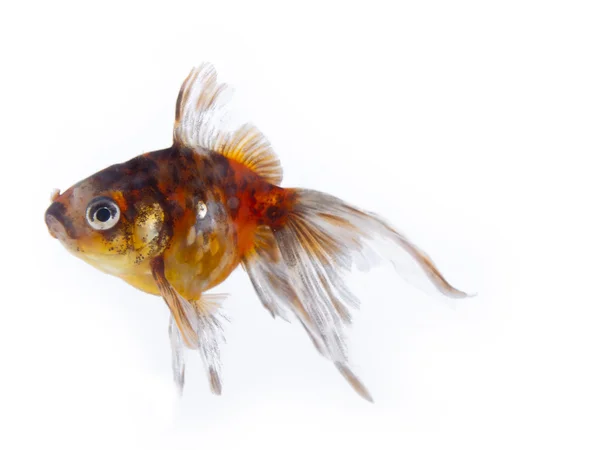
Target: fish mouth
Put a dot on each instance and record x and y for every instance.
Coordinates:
(59, 226)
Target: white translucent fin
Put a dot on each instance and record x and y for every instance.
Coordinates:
(271, 279)
(353, 380)
(210, 336)
(320, 242)
(194, 325)
(342, 236)
(201, 122)
(300, 266)
(268, 274)
(177, 355)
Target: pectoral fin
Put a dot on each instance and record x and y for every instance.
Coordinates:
(183, 312)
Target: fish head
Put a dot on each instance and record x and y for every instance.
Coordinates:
(112, 220)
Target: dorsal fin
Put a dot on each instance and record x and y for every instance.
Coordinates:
(200, 118)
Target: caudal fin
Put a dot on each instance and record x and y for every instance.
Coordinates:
(299, 263)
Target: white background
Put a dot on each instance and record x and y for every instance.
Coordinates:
(472, 126)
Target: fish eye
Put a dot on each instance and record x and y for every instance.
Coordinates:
(102, 213)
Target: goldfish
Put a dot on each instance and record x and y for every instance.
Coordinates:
(176, 222)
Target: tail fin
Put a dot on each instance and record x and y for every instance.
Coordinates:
(298, 264)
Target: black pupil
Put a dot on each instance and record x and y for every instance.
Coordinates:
(103, 214)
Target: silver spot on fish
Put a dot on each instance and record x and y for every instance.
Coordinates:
(201, 210)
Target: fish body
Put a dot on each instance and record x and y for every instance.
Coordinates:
(176, 222)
